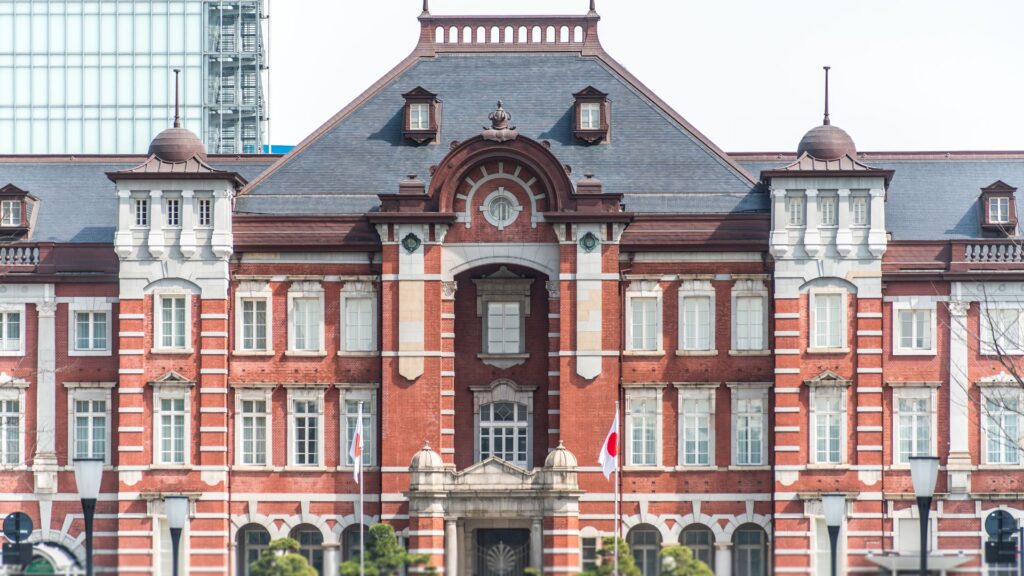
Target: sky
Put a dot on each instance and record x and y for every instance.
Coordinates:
(906, 74)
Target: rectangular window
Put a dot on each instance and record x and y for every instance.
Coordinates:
(91, 331)
(749, 323)
(588, 552)
(172, 430)
(915, 329)
(796, 211)
(10, 432)
(10, 213)
(999, 210)
(696, 323)
(696, 426)
(359, 325)
(141, 212)
(860, 211)
(206, 212)
(827, 206)
(90, 429)
(645, 324)
(1002, 427)
(306, 432)
(306, 320)
(254, 432)
(749, 427)
(914, 426)
(254, 324)
(419, 116)
(1003, 330)
(829, 415)
(173, 212)
(642, 422)
(828, 321)
(369, 435)
(10, 331)
(172, 322)
(590, 116)
(503, 328)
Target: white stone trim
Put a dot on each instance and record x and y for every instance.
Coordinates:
(265, 394)
(368, 395)
(690, 394)
(928, 393)
(20, 309)
(654, 393)
(359, 290)
(747, 287)
(89, 391)
(171, 391)
(844, 421)
(695, 288)
(645, 289)
(89, 304)
(503, 390)
(755, 391)
(306, 393)
(843, 313)
(158, 296)
(913, 304)
(253, 290)
(306, 290)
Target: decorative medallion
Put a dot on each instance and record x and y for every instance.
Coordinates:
(588, 242)
(411, 242)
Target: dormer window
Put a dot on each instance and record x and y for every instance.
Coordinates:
(16, 210)
(592, 115)
(10, 213)
(999, 208)
(422, 116)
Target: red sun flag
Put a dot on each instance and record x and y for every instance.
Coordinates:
(609, 457)
(355, 451)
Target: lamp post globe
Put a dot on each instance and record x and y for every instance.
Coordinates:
(924, 472)
(176, 509)
(88, 477)
(834, 508)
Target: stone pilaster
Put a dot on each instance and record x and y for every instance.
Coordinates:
(44, 462)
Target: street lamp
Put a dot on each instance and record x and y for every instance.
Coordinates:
(924, 471)
(176, 509)
(834, 507)
(88, 475)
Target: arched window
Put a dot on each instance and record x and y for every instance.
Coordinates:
(504, 432)
(253, 539)
(350, 545)
(700, 539)
(749, 545)
(311, 545)
(645, 543)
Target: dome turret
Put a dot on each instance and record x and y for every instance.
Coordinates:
(826, 142)
(177, 145)
(560, 457)
(426, 459)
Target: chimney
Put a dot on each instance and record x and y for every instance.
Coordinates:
(589, 185)
(412, 185)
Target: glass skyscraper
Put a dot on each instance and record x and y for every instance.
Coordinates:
(95, 76)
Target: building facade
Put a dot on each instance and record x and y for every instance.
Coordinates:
(501, 241)
(94, 77)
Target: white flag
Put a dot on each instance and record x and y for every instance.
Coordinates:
(609, 457)
(355, 451)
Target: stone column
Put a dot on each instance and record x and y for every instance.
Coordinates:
(187, 241)
(451, 546)
(723, 558)
(332, 558)
(844, 239)
(812, 236)
(537, 543)
(959, 463)
(779, 235)
(876, 235)
(155, 242)
(44, 462)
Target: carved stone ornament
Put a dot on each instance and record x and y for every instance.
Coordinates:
(411, 242)
(500, 130)
(552, 287)
(959, 308)
(588, 242)
(448, 289)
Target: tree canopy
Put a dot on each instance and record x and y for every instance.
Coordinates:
(282, 558)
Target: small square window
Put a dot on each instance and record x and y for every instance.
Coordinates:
(914, 330)
(91, 331)
(419, 116)
(590, 116)
(10, 331)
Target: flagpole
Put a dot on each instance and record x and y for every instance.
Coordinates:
(616, 537)
(362, 529)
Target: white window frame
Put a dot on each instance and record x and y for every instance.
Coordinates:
(250, 290)
(749, 391)
(645, 289)
(586, 115)
(88, 391)
(828, 212)
(174, 391)
(696, 288)
(913, 392)
(94, 306)
(311, 290)
(985, 342)
(914, 304)
(15, 219)
(367, 394)
(503, 390)
(812, 344)
(417, 119)
(210, 205)
(158, 324)
(141, 207)
(359, 291)
(1011, 393)
(650, 392)
(858, 201)
(796, 210)
(749, 288)
(830, 387)
(14, 390)
(304, 394)
(999, 206)
(688, 393)
(260, 394)
(13, 309)
(172, 218)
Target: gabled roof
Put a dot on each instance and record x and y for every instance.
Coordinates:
(655, 157)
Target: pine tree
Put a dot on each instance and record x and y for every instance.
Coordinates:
(384, 555)
(282, 558)
(679, 561)
(606, 555)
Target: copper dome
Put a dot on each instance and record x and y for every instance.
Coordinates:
(826, 142)
(177, 145)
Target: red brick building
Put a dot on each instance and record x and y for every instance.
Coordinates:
(487, 281)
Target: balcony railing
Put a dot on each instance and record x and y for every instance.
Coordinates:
(19, 256)
(994, 252)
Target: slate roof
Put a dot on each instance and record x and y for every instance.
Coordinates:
(932, 196)
(77, 203)
(655, 161)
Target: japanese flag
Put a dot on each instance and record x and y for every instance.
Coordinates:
(609, 457)
(355, 451)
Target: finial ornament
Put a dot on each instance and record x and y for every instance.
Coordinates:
(826, 121)
(593, 6)
(426, 6)
(500, 130)
(177, 114)
(500, 118)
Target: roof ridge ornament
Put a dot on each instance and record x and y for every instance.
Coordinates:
(593, 7)
(500, 130)
(426, 8)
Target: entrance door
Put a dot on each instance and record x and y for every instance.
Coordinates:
(503, 552)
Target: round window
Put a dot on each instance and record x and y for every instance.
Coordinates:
(500, 208)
